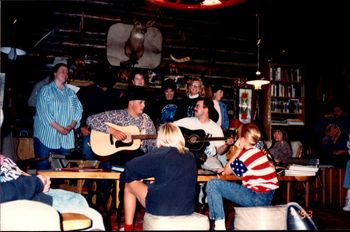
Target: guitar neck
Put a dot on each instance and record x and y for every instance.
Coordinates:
(210, 139)
(144, 136)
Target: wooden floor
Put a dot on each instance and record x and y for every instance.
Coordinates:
(327, 218)
(331, 218)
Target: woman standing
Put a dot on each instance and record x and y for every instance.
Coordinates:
(195, 90)
(168, 103)
(259, 178)
(58, 112)
(220, 106)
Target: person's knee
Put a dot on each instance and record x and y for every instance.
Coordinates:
(211, 185)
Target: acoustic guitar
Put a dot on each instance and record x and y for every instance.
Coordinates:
(197, 140)
(104, 144)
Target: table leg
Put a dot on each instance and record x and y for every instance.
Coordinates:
(307, 194)
(116, 194)
(288, 191)
(80, 184)
(324, 187)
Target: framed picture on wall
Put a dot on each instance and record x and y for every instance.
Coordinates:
(245, 105)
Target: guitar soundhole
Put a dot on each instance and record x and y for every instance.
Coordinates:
(193, 139)
(128, 139)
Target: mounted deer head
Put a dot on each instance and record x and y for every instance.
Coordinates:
(134, 46)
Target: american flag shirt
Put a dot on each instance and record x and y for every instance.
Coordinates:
(256, 171)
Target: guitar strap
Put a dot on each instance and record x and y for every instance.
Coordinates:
(143, 127)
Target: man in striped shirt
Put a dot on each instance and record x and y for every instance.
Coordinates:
(259, 178)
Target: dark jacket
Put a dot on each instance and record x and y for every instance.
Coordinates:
(24, 188)
(174, 188)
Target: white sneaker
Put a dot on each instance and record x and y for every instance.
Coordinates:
(347, 204)
(201, 195)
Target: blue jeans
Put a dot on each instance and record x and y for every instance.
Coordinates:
(218, 189)
(89, 154)
(346, 183)
(86, 149)
(43, 152)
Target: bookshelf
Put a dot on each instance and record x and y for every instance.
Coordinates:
(286, 96)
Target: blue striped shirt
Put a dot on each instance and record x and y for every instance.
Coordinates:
(60, 106)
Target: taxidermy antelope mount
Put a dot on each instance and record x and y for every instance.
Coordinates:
(134, 46)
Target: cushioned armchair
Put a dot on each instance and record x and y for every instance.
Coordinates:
(297, 148)
(27, 215)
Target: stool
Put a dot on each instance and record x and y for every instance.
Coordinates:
(75, 221)
(195, 221)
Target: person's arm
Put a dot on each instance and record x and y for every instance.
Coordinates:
(143, 167)
(24, 187)
(77, 114)
(97, 121)
(227, 170)
(224, 148)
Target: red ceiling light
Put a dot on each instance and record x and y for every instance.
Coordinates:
(195, 4)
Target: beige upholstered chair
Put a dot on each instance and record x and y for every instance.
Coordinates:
(297, 148)
(27, 215)
(195, 221)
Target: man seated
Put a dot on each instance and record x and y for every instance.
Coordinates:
(204, 119)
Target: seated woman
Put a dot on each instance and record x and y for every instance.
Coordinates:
(175, 172)
(259, 178)
(280, 148)
(16, 184)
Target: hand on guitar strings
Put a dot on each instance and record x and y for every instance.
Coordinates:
(118, 135)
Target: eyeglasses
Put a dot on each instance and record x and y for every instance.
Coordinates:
(196, 86)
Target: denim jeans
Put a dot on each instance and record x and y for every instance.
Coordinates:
(41, 151)
(218, 189)
(86, 149)
(346, 183)
(71, 202)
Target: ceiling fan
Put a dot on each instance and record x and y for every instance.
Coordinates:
(195, 4)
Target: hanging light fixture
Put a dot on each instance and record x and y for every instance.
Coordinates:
(195, 4)
(12, 52)
(259, 81)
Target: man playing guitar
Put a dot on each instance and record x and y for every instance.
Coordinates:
(205, 117)
(131, 116)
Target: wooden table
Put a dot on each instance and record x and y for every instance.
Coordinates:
(202, 177)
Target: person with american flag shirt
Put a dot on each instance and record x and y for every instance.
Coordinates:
(259, 178)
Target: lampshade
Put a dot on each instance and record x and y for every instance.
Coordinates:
(12, 52)
(258, 83)
(196, 4)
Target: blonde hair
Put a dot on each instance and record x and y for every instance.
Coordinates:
(170, 135)
(251, 133)
(202, 87)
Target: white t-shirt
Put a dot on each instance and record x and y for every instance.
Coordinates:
(211, 129)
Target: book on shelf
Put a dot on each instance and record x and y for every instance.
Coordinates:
(299, 167)
(288, 172)
(296, 122)
(304, 161)
(117, 168)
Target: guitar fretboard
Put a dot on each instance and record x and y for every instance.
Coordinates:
(143, 136)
